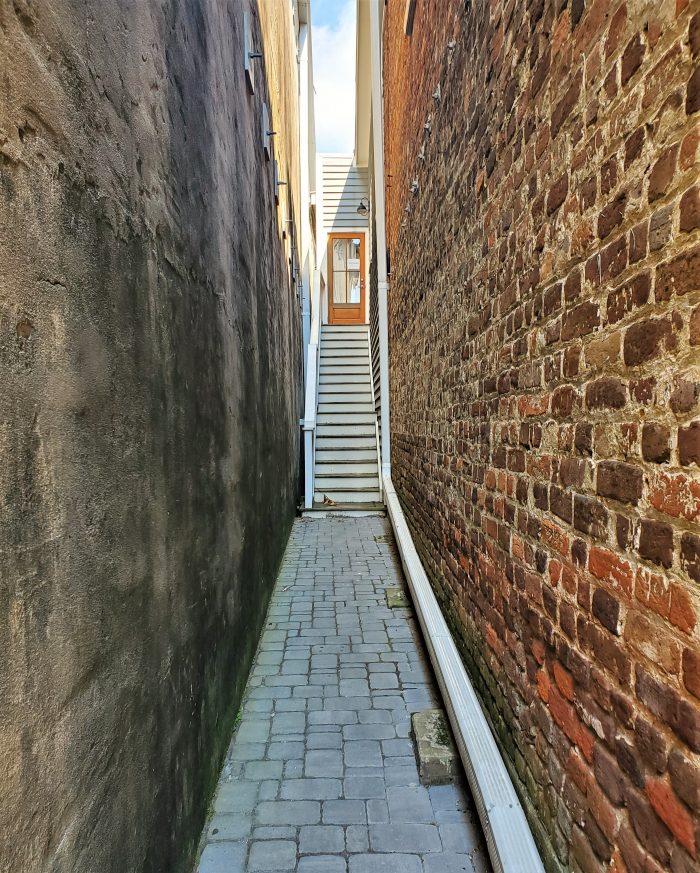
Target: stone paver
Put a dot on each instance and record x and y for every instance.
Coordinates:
(321, 774)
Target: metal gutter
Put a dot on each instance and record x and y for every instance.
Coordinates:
(380, 228)
(509, 840)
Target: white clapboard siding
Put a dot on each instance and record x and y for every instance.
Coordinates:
(344, 185)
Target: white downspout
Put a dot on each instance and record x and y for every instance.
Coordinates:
(304, 145)
(380, 229)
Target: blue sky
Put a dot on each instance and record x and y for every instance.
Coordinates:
(326, 12)
(333, 26)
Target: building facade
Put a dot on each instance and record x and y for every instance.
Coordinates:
(155, 237)
(543, 219)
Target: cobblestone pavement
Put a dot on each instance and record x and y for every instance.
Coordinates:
(321, 775)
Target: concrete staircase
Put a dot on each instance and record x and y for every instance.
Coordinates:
(346, 468)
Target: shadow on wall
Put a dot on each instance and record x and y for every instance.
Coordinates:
(150, 350)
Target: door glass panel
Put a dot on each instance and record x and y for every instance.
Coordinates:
(353, 254)
(354, 286)
(345, 269)
(340, 287)
(340, 257)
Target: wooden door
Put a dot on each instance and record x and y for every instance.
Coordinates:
(346, 277)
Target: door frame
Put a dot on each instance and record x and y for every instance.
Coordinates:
(335, 313)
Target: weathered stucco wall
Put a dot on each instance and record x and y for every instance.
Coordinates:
(545, 389)
(150, 364)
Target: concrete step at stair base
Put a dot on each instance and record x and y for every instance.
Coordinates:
(355, 510)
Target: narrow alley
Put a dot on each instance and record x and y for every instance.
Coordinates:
(321, 776)
(350, 420)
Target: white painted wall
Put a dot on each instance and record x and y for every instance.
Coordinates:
(340, 186)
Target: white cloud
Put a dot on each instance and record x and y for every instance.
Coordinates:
(334, 81)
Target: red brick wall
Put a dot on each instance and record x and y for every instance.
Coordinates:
(545, 373)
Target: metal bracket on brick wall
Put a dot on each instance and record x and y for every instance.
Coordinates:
(276, 181)
(266, 132)
(510, 843)
(248, 54)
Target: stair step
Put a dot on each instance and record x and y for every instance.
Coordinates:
(359, 394)
(341, 390)
(346, 441)
(345, 402)
(336, 407)
(363, 495)
(331, 350)
(353, 380)
(360, 429)
(343, 369)
(344, 455)
(344, 361)
(344, 328)
(352, 442)
(341, 398)
(345, 483)
(342, 467)
(343, 343)
(341, 419)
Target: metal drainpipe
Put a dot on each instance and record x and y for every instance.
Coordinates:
(303, 55)
(382, 283)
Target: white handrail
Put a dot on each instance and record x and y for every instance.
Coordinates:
(308, 423)
(379, 460)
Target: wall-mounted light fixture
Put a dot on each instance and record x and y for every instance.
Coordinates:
(363, 208)
(248, 54)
